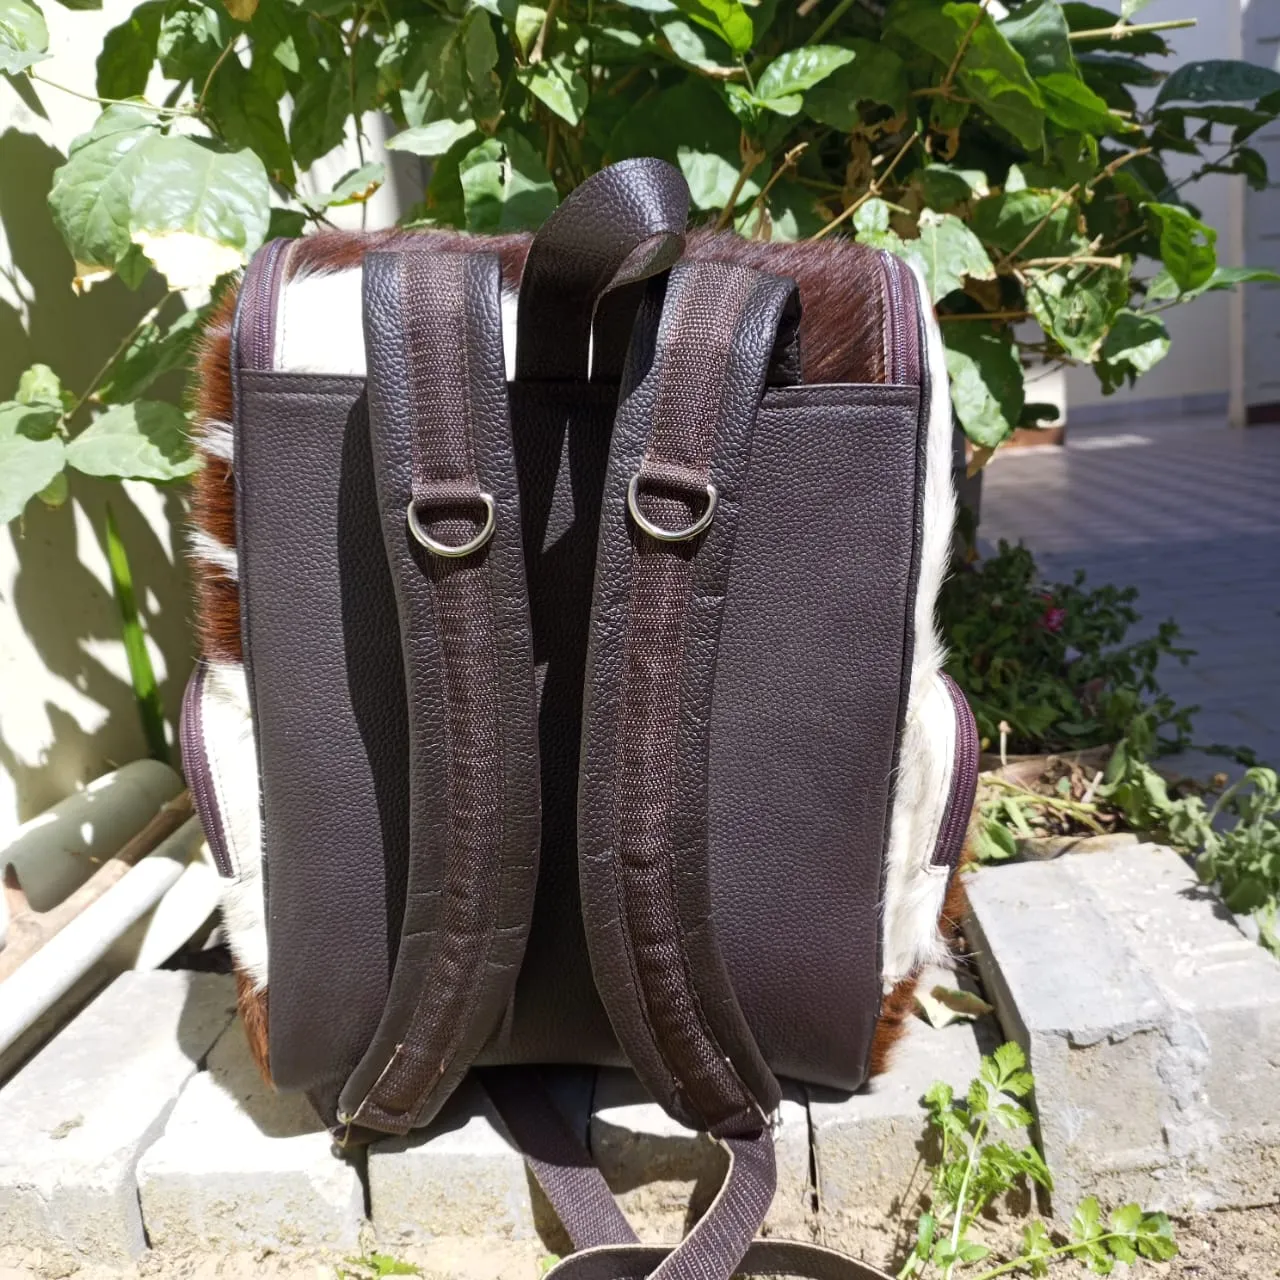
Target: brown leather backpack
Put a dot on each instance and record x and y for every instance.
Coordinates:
(570, 688)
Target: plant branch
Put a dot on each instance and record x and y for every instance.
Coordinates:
(873, 190)
(213, 71)
(540, 41)
(949, 79)
(788, 162)
(1021, 1261)
(109, 102)
(1120, 30)
(121, 348)
(1075, 260)
(985, 315)
(749, 166)
(1063, 198)
(829, 21)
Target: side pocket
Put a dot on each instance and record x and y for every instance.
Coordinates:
(964, 780)
(220, 760)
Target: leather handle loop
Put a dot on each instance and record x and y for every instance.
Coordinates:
(622, 225)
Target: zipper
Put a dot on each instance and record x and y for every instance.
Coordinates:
(195, 763)
(903, 322)
(260, 294)
(964, 782)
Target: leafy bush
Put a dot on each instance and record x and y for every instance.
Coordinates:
(1006, 157)
(1048, 661)
(976, 1167)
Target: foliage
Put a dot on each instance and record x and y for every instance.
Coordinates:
(1235, 840)
(1007, 158)
(1046, 666)
(976, 1168)
(375, 1265)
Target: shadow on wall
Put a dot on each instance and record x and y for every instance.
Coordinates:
(67, 712)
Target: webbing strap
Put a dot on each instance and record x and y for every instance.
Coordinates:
(678, 464)
(450, 515)
(719, 1246)
(565, 1171)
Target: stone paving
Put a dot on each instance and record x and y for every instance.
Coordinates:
(1190, 514)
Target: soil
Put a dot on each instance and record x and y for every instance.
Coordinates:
(1229, 1245)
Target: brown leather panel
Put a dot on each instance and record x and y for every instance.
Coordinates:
(804, 719)
(561, 437)
(322, 650)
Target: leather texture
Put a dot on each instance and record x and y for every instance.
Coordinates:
(622, 225)
(438, 413)
(322, 656)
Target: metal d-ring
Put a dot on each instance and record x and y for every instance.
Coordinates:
(446, 549)
(669, 535)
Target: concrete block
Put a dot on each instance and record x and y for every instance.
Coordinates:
(1151, 1022)
(462, 1177)
(75, 1120)
(240, 1166)
(665, 1175)
(868, 1147)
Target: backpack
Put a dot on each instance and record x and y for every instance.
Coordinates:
(570, 689)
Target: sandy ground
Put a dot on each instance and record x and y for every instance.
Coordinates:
(1214, 1246)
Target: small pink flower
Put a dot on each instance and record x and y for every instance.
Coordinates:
(1054, 619)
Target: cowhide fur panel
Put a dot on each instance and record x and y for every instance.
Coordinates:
(842, 340)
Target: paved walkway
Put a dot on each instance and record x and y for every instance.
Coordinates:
(1190, 515)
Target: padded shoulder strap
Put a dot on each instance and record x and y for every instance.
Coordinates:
(451, 524)
(701, 351)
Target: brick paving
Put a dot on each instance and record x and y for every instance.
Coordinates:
(1189, 513)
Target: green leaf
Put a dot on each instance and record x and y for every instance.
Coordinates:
(1188, 248)
(727, 18)
(798, 70)
(480, 58)
(192, 35)
(1075, 308)
(991, 71)
(1155, 1238)
(143, 440)
(197, 212)
(528, 22)
(319, 120)
(690, 126)
(1228, 277)
(124, 65)
(92, 192)
(1042, 222)
(432, 139)
(1086, 1222)
(31, 454)
(353, 188)
(39, 385)
(24, 38)
(151, 353)
(505, 185)
(876, 74)
(1219, 80)
(246, 113)
(986, 382)
(945, 187)
(1135, 345)
(949, 253)
(697, 47)
(558, 86)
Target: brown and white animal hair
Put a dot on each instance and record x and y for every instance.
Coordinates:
(319, 330)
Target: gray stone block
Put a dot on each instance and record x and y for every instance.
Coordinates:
(868, 1147)
(665, 1175)
(462, 1177)
(75, 1120)
(240, 1166)
(1151, 1022)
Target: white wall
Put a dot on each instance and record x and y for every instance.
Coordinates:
(1205, 333)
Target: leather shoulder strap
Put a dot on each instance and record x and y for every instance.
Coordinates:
(703, 345)
(450, 516)
(622, 225)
